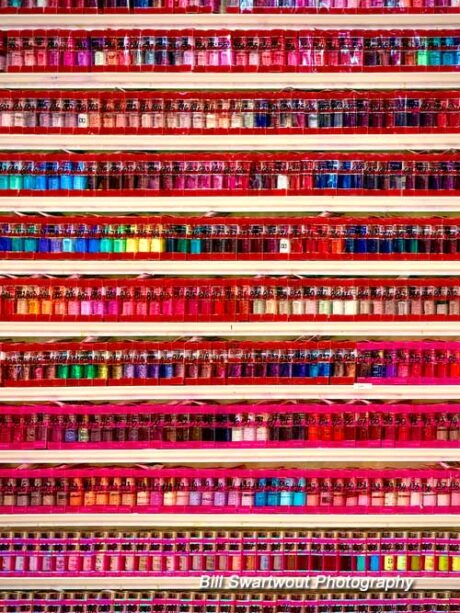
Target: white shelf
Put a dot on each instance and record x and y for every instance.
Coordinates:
(240, 204)
(228, 267)
(231, 392)
(160, 583)
(230, 520)
(230, 21)
(216, 80)
(229, 456)
(230, 142)
(173, 328)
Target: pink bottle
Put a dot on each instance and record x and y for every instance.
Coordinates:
(156, 493)
(416, 497)
(313, 493)
(455, 496)
(443, 498)
(234, 493)
(68, 53)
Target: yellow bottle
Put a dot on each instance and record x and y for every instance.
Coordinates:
(158, 244)
(401, 562)
(388, 563)
(415, 562)
(103, 371)
(46, 307)
(429, 563)
(144, 244)
(456, 564)
(443, 563)
(34, 305)
(132, 241)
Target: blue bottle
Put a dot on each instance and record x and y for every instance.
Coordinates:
(195, 246)
(68, 245)
(398, 245)
(299, 369)
(386, 242)
(377, 370)
(345, 182)
(314, 370)
(372, 243)
(65, 182)
(171, 245)
(391, 370)
(80, 182)
(374, 565)
(55, 245)
(44, 245)
(286, 495)
(5, 244)
(299, 496)
(166, 371)
(350, 233)
(285, 370)
(65, 176)
(93, 245)
(80, 179)
(361, 565)
(41, 183)
(29, 182)
(53, 173)
(331, 181)
(448, 58)
(325, 369)
(153, 371)
(81, 245)
(17, 244)
(434, 51)
(273, 496)
(361, 240)
(4, 178)
(319, 181)
(30, 244)
(260, 497)
(54, 183)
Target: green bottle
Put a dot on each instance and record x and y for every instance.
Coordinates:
(119, 243)
(182, 245)
(76, 371)
(62, 371)
(17, 243)
(90, 371)
(15, 182)
(106, 245)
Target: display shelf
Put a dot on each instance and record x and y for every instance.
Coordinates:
(225, 455)
(215, 80)
(268, 328)
(264, 142)
(229, 267)
(229, 20)
(231, 392)
(230, 520)
(159, 583)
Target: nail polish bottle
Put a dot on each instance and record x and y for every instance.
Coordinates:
(248, 492)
